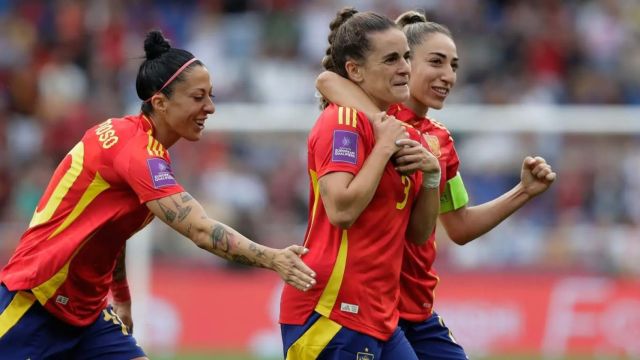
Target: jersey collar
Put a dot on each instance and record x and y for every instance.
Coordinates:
(147, 124)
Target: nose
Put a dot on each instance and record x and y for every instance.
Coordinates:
(449, 76)
(405, 67)
(209, 108)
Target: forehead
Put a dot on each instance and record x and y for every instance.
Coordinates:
(388, 41)
(437, 42)
(196, 77)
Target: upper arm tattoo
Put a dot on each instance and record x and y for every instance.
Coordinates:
(323, 188)
(169, 214)
(181, 212)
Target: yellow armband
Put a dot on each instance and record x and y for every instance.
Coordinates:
(454, 196)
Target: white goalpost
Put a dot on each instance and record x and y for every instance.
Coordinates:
(252, 118)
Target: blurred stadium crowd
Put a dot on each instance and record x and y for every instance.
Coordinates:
(67, 65)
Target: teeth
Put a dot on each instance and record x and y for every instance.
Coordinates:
(441, 91)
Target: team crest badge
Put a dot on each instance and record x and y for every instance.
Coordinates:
(364, 355)
(433, 143)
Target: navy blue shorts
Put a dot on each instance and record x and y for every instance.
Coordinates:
(324, 339)
(432, 339)
(28, 331)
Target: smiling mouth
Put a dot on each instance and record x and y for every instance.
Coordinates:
(200, 124)
(401, 84)
(440, 90)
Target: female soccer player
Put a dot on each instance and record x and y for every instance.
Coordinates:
(110, 185)
(363, 209)
(434, 63)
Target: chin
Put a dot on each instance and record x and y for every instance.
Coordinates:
(400, 96)
(193, 136)
(435, 104)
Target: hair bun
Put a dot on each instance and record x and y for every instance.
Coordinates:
(343, 15)
(411, 17)
(155, 44)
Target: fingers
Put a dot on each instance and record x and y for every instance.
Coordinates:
(541, 171)
(408, 168)
(551, 177)
(299, 250)
(302, 267)
(408, 142)
(409, 159)
(302, 279)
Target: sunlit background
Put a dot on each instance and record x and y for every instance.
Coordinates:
(560, 279)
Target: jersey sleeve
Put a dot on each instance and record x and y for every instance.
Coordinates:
(339, 143)
(454, 195)
(147, 169)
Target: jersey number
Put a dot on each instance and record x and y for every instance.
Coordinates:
(109, 315)
(402, 204)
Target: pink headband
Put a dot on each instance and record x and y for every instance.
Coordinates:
(172, 78)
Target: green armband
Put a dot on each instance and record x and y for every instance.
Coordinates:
(454, 196)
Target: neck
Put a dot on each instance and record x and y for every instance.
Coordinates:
(165, 135)
(419, 108)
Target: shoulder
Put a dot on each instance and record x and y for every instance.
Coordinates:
(335, 115)
(340, 118)
(438, 129)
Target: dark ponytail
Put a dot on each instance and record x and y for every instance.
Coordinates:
(160, 64)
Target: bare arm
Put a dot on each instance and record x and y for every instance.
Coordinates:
(185, 215)
(469, 223)
(424, 215)
(426, 207)
(341, 91)
(345, 196)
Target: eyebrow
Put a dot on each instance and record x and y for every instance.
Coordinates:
(201, 89)
(442, 55)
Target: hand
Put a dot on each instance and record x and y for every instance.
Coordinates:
(123, 310)
(413, 156)
(293, 270)
(536, 176)
(387, 130)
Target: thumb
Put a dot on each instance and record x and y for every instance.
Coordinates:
(528, 162)
(381, 116)
(300, 250)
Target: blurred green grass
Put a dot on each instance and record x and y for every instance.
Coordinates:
(249, 357)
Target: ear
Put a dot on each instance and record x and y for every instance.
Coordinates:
(159, 103)
(355, 71)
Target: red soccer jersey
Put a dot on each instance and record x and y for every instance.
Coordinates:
(93, 204)
(419, 279)
(358, 270)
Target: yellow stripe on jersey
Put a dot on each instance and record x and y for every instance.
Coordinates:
(16, 309)
(330, 293)
(346, 115)
(45, 291)
(354, 118)
(316, 199)
(313, 341)
(97, 186)
(153, 146)
(61, 190)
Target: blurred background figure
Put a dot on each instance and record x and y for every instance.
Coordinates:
(571, 254)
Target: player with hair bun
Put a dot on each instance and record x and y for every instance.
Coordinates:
(434, 62)
(53, 291)
(362, 209)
